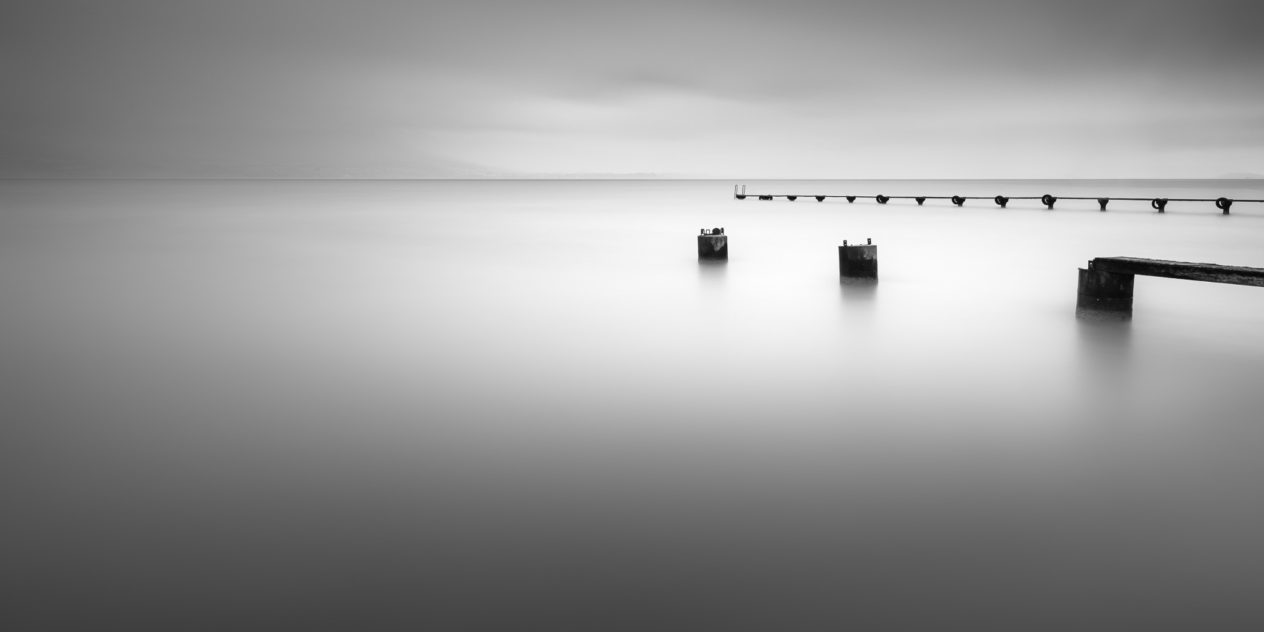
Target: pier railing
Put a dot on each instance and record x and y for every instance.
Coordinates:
(1157, 203)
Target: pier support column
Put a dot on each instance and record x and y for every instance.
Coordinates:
(713, 244)
(1104, 294)
(858, 262)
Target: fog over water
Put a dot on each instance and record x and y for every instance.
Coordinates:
(527, 405)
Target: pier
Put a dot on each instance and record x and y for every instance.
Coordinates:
(1106, 285)
(1159, 204)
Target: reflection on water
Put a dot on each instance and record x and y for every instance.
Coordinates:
(260, 405)
(711, 270)
(1105, 367)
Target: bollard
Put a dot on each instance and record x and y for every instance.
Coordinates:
(1159, 204)
(920, 200)
(1048, 200)
(1104, 294)
(1001, 200)
(958, 200)
(1223, 204)
(858, 262)
(820, 198)
(1103, 202)
(851, 198)
(882, 199)
(713, 244)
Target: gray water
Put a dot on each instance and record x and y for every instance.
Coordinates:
(527, 405)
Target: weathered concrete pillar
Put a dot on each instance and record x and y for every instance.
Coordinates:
(858, 262)
(713, 244)
(1104, 294)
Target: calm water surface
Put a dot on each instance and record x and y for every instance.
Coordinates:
(507, 405)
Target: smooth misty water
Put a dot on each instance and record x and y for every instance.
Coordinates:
(526, 405)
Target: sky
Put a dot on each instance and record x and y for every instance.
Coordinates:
(653, 88)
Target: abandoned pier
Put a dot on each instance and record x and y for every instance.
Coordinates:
(1159, 204)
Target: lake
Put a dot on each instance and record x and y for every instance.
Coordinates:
(456, 405)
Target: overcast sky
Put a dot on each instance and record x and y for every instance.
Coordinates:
(672, 88)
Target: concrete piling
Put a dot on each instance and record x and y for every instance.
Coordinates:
(1104, 294)
(713, 244)
(858, 262)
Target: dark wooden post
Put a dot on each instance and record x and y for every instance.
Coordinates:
(1104, 294)
(858, 262)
